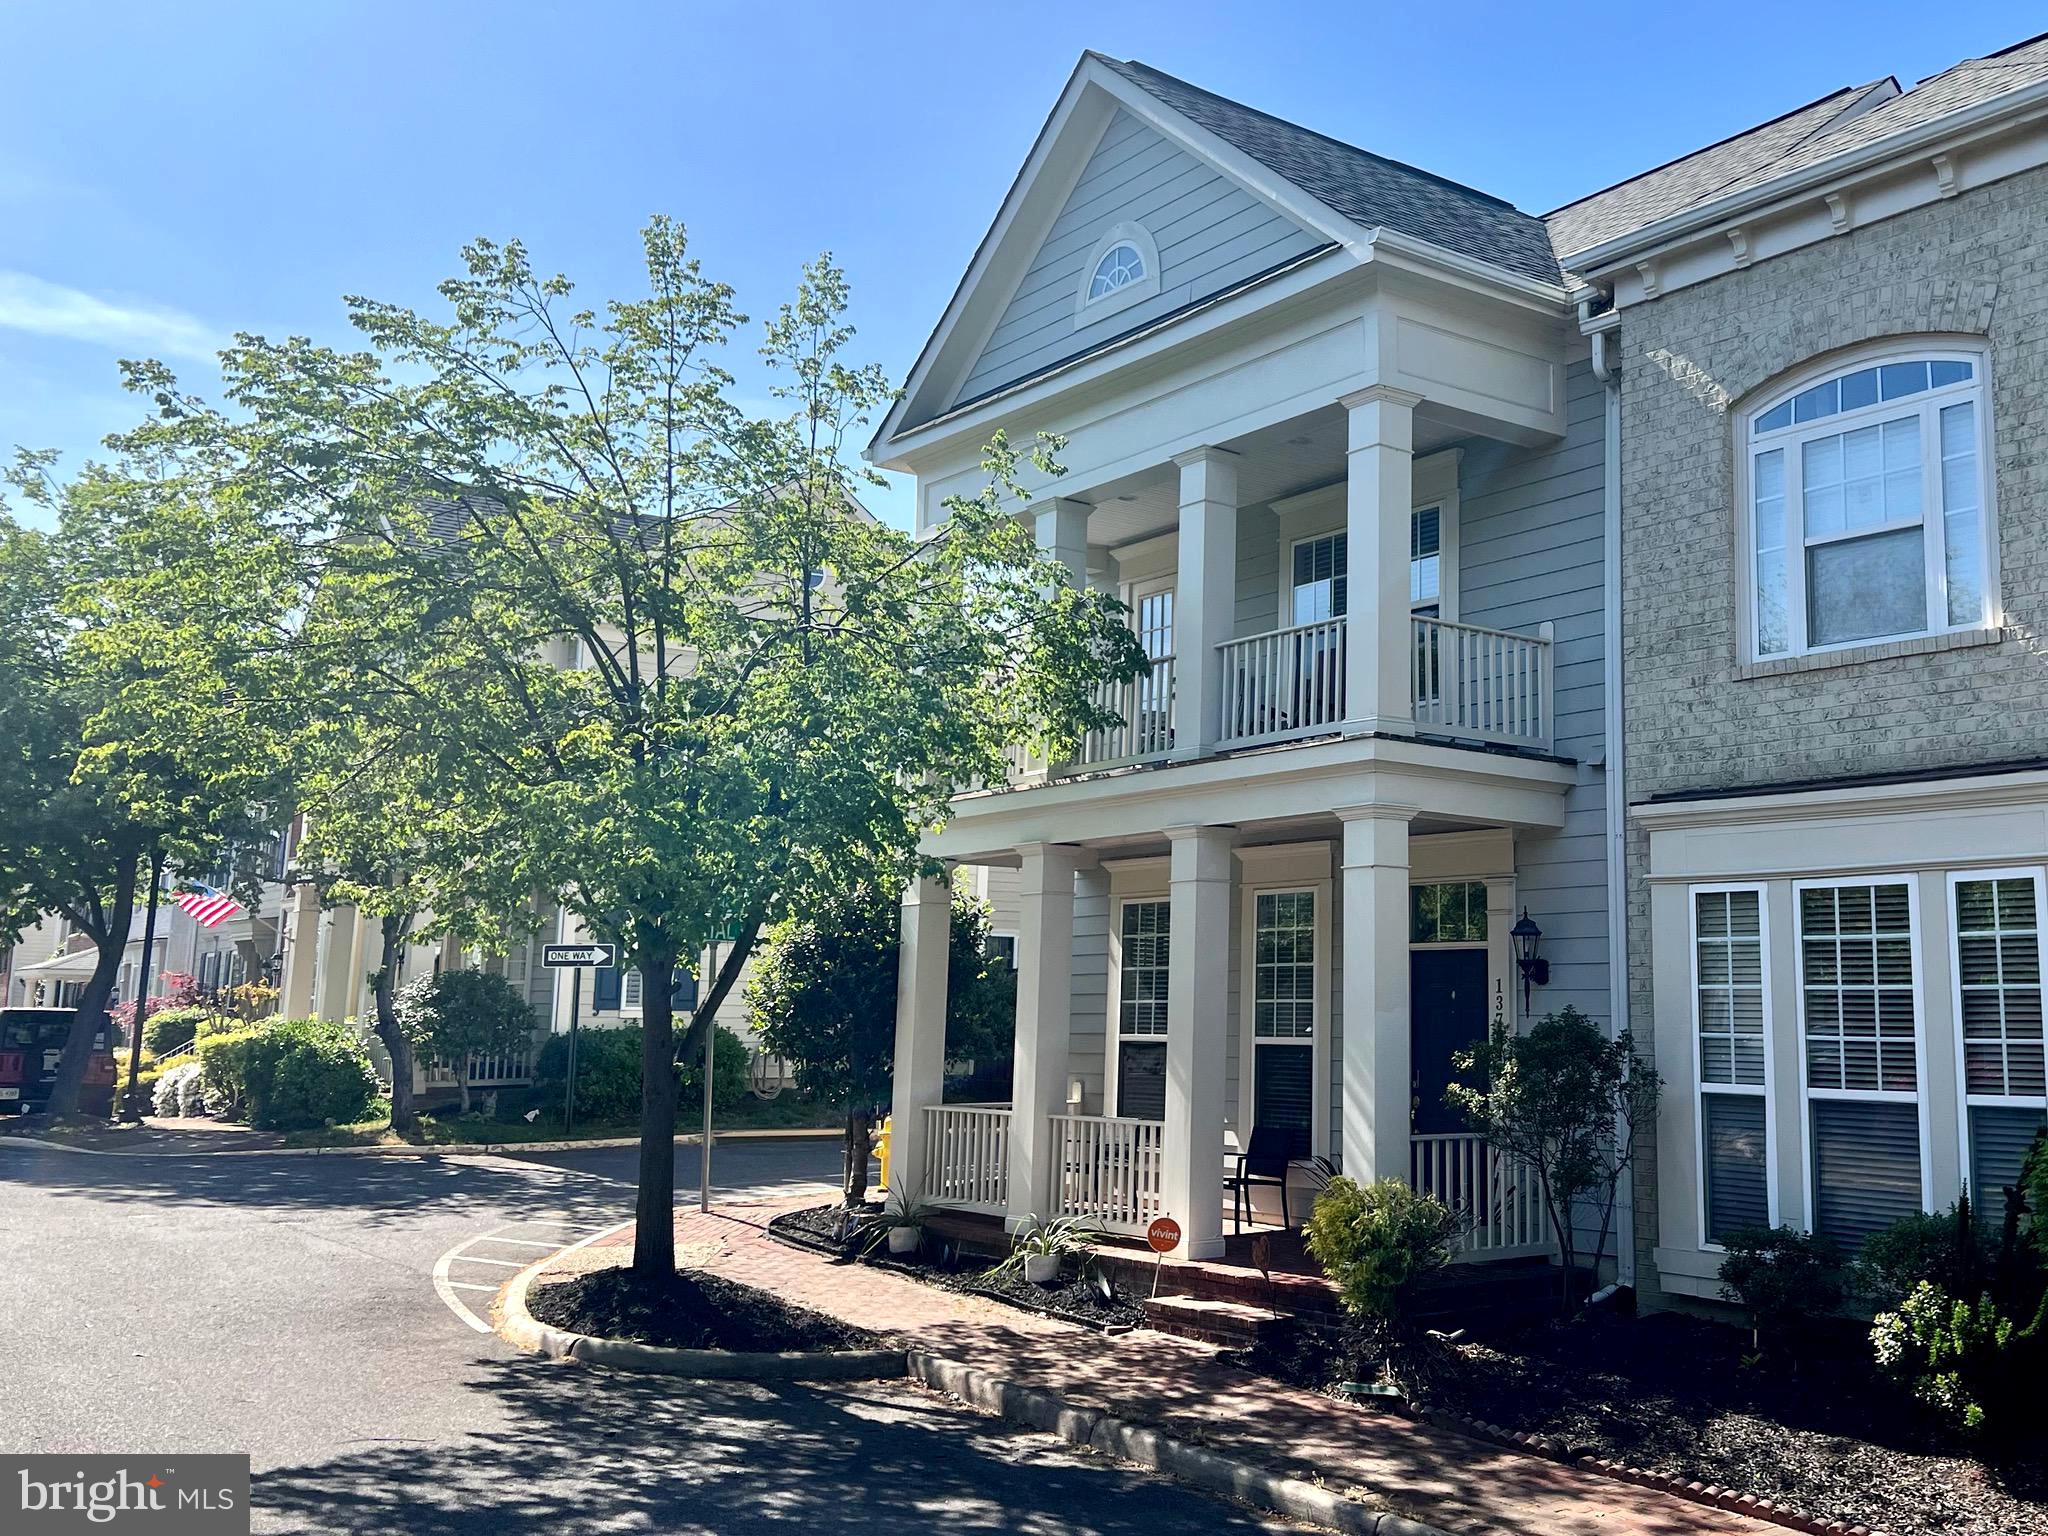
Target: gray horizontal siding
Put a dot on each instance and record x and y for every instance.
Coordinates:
(1211, 233)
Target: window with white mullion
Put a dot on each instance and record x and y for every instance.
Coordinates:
(1867, 507)
(1860, 1043)
(1144, 939)
(1284, 1009)
(1730, 1009)
(1998, 987)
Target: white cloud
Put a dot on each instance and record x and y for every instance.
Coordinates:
(51, 309)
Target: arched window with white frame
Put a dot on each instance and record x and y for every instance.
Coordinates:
(1122, 269)
(1867, 489)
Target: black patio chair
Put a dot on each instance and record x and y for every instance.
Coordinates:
(1272, 1151)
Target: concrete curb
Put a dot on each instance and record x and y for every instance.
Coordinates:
(522, 1330)
(1052, 1414)
(453, 1149)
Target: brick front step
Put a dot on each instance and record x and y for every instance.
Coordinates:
(1212, 1322)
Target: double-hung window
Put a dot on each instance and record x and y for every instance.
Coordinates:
(1860, 1034)
(1868, 502)
(1284, 1010)
(1321, 575)
(1144, 939)
(1730, 1013)
(1998, 1022)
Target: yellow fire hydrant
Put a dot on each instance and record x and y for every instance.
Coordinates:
(882, 1151)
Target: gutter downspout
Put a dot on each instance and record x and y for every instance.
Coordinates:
(1603, 332)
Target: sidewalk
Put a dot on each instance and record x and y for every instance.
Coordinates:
(1429, 1474)
(222, 1138)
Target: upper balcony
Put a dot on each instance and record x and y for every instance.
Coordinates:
(1466, 682)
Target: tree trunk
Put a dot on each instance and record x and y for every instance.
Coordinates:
(91, 1017)
(138, 1012)
(859, 1143)
(654, 1208)
(405, 1118)
(462, 1085)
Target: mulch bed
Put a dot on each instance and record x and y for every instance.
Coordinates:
(1076, 1297)
(687, 1310)
(1683, 1396)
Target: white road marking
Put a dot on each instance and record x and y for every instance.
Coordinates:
(447, 1287)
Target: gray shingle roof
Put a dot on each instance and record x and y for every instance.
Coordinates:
(1837, 124)
(1369, 189)
(1703, 174)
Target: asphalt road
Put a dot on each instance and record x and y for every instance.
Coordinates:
(285, 1307)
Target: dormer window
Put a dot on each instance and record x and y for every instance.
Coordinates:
(1868, 504)
(1122, 270)
(1122, 265)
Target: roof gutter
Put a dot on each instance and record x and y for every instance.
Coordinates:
(1972, 121)
(1422, 253)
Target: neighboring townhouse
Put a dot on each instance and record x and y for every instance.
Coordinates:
(1333, 432)
(1832, 340)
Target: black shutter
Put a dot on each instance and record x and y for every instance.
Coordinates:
(604, 995)
(682, 995)
(1734, 1135)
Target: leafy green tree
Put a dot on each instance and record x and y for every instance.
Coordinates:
(128, 742)
(459, 1015)
(824, 999)
(673, 675)
(1564, 1102)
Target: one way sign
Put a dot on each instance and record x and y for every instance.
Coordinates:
(562, 956)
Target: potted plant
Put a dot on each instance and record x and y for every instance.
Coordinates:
(1038, 1247)
(902, 1222)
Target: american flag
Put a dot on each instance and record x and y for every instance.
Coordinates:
(208, 907)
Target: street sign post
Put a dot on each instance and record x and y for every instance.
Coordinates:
(572, 958)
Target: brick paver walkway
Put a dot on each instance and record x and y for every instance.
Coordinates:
(1431, 1474)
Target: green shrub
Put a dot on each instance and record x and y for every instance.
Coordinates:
(1377, 1243)
(1785, 1277)
(1958, 1357)
(1947, 1249)
(608, 1073)
(222, 1024)
(172, 1029)
(172, 1092)
(289, 1074)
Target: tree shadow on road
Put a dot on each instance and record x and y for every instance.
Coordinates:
(588, 1450)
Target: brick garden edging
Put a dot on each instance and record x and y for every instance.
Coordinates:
(1693, 1491)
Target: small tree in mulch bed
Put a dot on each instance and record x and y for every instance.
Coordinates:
(1564, 1101)
(823, 998)
(1378, 1243)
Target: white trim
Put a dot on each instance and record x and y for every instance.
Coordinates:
(1965, 1099)
(1808, 1093)
(1768, 1091)
(1926, 406)
(1090, 311)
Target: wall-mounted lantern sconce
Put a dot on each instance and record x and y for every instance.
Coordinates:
(1535, 969)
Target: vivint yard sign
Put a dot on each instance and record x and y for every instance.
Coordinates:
(175, 1496)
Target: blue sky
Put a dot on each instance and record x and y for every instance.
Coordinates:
(169, 174)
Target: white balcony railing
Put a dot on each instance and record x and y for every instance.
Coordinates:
(1284, 684)
(1145, 706)
(1107, 1170)
(1491, 684)
(967, 1157)
(1497, 1196)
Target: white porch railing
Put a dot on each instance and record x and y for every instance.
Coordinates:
(1107, 1170)
(1491, 684)
(1145, 705)
(967, 1157)
(1284, 684)
(1497, 1197)
(500, 1069)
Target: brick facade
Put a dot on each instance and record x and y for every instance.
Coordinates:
(1697, 718)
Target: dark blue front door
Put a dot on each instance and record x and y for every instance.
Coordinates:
(1447, 1006)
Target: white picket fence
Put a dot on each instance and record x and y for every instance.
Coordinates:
(1496, 1196)
(967, 1157)
(1492, 684)
(1107, 1170)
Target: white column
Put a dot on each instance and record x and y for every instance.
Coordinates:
(1045, 1012)
(920, 1063)
(1378, 1091)
(1197, 1036)
(1379, 490)
(1205, 595)
(338, 977)
(301, 918)
(1062, 528)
